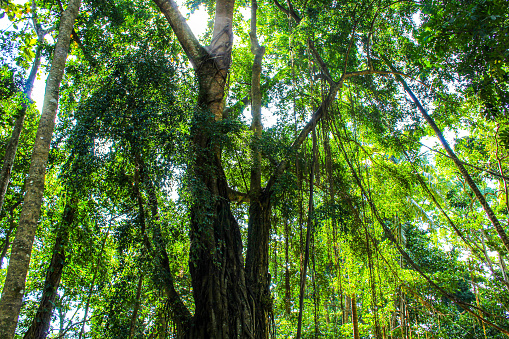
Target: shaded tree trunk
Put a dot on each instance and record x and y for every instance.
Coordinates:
(308, 236)
(14, 287)
(216, 262)
(41, 322)
(134, 316)
(257, 255)
(12, 146)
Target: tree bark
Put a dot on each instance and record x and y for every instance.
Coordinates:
(14, 287)
(216, 261)
(41, 322)
(257, 255)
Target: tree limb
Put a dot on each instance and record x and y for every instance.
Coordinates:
(190, 44)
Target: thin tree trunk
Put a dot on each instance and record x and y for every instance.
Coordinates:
(134, 317)
(348, 309)
(459, 164)
(316, 292)
(161, 261)
(355, 318)
(41, 322)
(14, 287)
(12, 146)
(92, 284)
(308, 237)
(12, 226)
(288, 296)
(61, 318)
(257, 254)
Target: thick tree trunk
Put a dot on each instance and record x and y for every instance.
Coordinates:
(216, 262)
(41, 322)
(222, 304)
(14, 287)
(12, 146)
(257, 264)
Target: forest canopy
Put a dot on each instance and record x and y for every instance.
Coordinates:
(303, 169)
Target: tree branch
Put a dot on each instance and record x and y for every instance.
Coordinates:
(289, 12)
(323, 65)
(238, 197)
(317, 115)
(190, 44)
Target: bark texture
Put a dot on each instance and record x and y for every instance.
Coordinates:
(134, 316)
(41, 322)
(14, 287)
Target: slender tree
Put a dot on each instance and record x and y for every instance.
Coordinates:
(14, 287)
(12, 146)
(41, 323)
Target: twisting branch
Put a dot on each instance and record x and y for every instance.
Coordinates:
(291, 13)
(281, 8)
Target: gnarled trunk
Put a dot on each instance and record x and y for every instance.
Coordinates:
(216, 262)
(225, 306)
